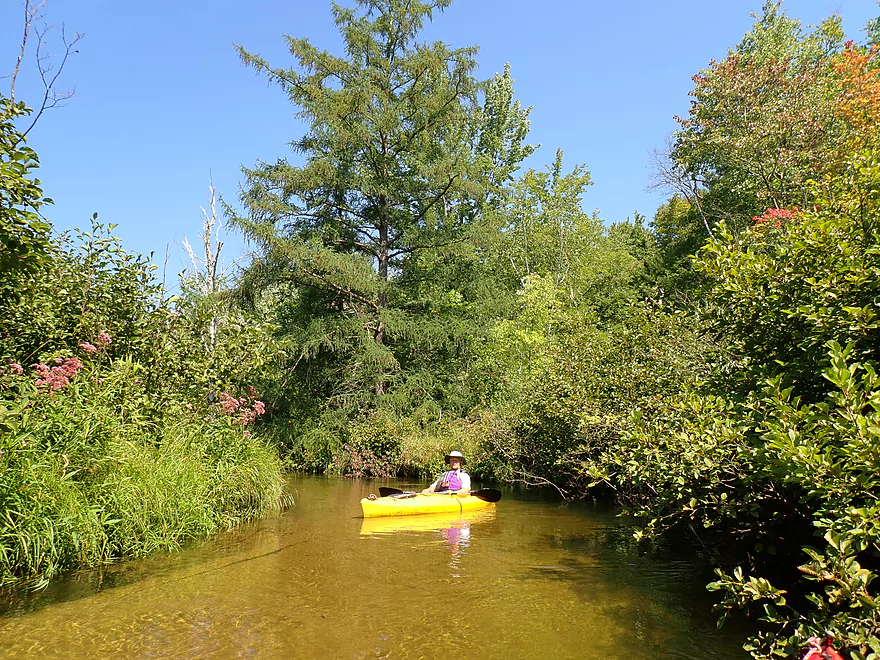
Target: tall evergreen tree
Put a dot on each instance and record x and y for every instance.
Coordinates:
(404, 148)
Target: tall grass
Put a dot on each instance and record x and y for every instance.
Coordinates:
(92, 474)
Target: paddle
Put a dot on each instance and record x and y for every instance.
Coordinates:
(486, 494)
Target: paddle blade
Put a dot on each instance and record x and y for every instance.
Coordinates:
(385, 491)
(488, 494)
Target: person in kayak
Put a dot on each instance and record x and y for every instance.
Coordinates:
(454, 480)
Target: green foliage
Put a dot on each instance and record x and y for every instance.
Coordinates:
(24, 235)
(785, 107)
(384, 445)
(543, 228)
(363, 257)
(645, 278)
(87, 474)
(680, 233)
(776, 36)
(542, 231)
(213, 346)
(783, 292)
(779, 108)
(872, 30)
(110, 445)
(562, 383)
(92, 285)
(775, 457)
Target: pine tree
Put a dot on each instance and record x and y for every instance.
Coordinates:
(404, 149)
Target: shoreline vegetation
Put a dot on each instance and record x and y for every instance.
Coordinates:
(712, 370)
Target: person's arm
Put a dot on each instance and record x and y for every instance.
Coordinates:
(433, 486)
(465, 482)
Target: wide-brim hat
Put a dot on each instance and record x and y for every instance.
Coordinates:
(454, 454)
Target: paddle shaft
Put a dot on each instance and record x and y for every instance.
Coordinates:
(486, 494)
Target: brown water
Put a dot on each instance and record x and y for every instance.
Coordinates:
(528, 579)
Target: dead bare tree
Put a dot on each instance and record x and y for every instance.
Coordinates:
(669, 175)
(47, 70)
(207, 268)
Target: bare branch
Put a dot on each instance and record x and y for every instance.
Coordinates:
(208, 268)
(52, 98)
(669, 175)
(31, 13)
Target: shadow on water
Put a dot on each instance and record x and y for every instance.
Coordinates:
(528, 578)
(22, 599)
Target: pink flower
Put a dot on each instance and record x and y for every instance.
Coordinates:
(16, 368)
(245, 415)
(103, 339)
(58, 377)
(228, 403)
(88, 348)
(71, 366)
(251, 391)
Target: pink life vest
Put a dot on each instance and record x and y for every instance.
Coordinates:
(450, 481)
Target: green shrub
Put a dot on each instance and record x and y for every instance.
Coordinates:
(781, 469)
(91, 471)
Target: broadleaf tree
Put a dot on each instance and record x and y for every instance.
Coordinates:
(24, 234)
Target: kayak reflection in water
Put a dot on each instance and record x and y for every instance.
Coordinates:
(454, 480)
(457, 538)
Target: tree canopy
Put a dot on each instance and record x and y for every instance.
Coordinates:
(404, 148)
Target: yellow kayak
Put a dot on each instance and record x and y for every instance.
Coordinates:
(430, 522)
(408, 504)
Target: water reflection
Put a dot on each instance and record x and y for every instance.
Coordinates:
(457, 538)
(528, 579)
(454, 530)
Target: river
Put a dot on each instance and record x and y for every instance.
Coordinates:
(525, 579)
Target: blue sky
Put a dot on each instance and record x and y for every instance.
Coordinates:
(163, 103)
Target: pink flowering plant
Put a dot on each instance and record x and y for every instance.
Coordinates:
(109, 446)
(52, 379)
(243, 410)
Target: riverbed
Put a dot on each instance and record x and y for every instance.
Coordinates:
(527, 578)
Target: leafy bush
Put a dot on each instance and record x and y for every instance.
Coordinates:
(121, 431)
(562, 383)
(781, 469)
(384, 445)
(24, 235)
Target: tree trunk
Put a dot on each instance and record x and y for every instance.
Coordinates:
(381, 301)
